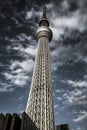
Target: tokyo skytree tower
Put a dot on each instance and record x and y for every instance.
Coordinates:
(40, 104)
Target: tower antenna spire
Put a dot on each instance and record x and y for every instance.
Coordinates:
(44, 2)
(44, 9)
(44, 21)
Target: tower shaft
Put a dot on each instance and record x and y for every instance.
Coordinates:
(40, 105)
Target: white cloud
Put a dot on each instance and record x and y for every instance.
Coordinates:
(55, 106)
(72, 20)
(32, 14)
(23, 51)
(80, 84)
(65, 5)
(29, 50)
(83, 112)
(15, 20)
(53, 94)
(59, 98)
(23, 37)
(58, 91)
(26, 65)
(20, 38)
(81, 117)
(79, 128)
(57, 31)
(62, 54)
(60, 23)
(78, 95)
(22, 80)
(20, 98)
(66, 22)
(19, 72)
(29, 14)
(6, 87)
(19, 79)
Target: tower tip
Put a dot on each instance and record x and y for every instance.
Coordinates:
(44, 21)
(44, 12)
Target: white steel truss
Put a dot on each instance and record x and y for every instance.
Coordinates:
(40, 104)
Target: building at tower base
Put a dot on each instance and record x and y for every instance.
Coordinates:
(62, 127)
(16, 122)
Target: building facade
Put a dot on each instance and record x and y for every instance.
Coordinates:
(62, 127)
(40, 104)
(16, 122)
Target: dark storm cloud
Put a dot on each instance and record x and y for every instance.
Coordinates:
(71, 5)
(16, 41)
(13, 22)
(69, 33)
(69, 60)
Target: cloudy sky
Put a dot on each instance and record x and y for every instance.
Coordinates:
(68, 20)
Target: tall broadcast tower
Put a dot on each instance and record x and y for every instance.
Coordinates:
(40, 105)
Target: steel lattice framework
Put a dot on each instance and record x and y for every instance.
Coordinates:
(40, 104)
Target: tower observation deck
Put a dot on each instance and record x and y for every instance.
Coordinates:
(40, 104)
